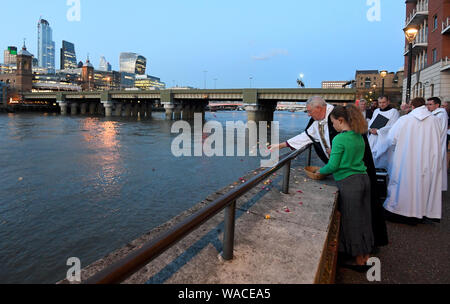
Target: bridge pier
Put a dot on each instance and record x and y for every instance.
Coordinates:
(149, 108)
(169, 111)
(177, 113)
(63, 107)
(118, 109)
(127, 111)
(92, 108)
(188, 112)
(107, 105)
(73, 108)
(83, 108)
(142, 109)
(260, 112)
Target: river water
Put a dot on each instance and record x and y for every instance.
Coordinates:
(86, 186)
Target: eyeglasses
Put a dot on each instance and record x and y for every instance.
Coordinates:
(430, 104)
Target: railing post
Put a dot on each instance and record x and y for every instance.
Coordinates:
(228, 237)
(309, 155)
(287, 172)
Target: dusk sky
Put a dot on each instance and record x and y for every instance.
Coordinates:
(273, 42)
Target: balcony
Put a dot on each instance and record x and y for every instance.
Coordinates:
(445, 64)
(446, 26)
(419, 14)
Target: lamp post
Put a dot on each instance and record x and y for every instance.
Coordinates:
(251, 78)
(383, 75)
(410, 33)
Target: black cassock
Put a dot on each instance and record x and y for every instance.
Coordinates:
(378, 219)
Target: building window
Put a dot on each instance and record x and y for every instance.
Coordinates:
(368, 83)
(435, 22)
(432, 90)
(434, 56)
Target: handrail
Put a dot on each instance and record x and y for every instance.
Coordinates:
(121, 270)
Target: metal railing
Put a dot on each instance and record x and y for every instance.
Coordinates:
(445, 24)
(421, 7)
(121, 270)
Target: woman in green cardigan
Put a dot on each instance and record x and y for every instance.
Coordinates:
(347, 166)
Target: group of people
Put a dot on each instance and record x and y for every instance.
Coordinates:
(354, 141)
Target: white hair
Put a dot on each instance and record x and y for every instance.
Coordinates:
(316, 101)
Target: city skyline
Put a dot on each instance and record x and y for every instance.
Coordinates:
(269, 45)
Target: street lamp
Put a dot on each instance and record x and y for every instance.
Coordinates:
(251, 78)
(410, 33)
(383, 75)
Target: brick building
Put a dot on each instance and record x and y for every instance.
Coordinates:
(22, 79)
(369, 84)
(431, 49)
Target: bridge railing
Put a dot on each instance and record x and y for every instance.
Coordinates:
(121, 270)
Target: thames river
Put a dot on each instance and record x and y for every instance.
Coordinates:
(85, 186)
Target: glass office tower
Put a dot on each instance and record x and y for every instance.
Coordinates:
(68, 56)
(133, 63)
(104, 65)
(46, 46)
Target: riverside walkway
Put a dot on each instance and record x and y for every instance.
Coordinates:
(279, 238)
(416, 254)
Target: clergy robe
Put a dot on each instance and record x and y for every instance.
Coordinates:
(312, 136)
(415, 184)
(443, 118)
(381, 162)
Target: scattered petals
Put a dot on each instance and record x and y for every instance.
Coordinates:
(300, 191)
(268, 217)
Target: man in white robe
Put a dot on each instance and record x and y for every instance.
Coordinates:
(377, 136)
(434, 106)
(415, 182)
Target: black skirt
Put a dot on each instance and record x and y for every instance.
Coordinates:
(356, 235)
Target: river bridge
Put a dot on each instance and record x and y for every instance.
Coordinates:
(182, 104)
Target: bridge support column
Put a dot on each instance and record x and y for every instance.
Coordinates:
(63, 107)
(135, 109)
(142, 109)
(200, 109)
(73, 108)
(255, 113)
(108, 108)
(118, 109)
(177, 113)
(92, 106)
(83, 108)
(169, 111)
(188, 112)
(127, 111)
(149, 109)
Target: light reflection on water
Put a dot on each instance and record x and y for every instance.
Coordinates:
(85, 186)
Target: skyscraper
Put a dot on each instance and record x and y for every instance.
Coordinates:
(10, 55)
(104, 65)
(68, 56)
(133, 63)
(46, 46)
